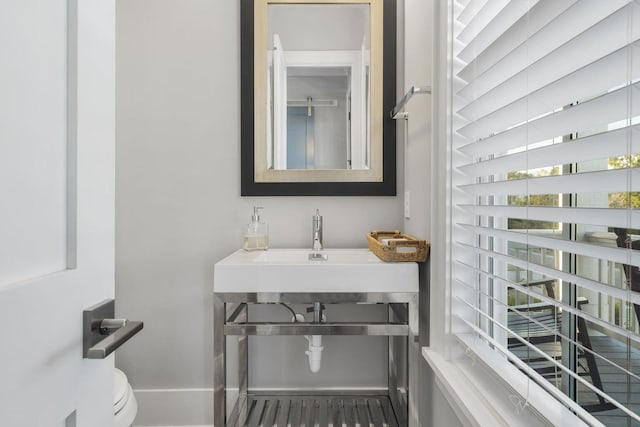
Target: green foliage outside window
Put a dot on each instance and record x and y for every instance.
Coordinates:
(626, 199)
(533, 200)
(620, 200)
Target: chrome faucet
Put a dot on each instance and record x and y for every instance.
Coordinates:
(317, 231)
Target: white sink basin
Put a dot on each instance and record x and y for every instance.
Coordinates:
(291, 270)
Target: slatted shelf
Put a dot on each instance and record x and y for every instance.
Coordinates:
(299, 410)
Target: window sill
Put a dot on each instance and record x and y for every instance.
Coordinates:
(481, 397)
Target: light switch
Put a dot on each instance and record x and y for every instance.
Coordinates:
(407, 204)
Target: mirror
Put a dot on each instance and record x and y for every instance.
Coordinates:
(317, 79)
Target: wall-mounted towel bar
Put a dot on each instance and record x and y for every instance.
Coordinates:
(396, 112)
(312, 102)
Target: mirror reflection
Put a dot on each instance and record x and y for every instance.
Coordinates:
(318, 87)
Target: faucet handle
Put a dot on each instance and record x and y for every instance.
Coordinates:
(310, 309)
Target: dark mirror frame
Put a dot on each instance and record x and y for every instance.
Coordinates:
(387, 187)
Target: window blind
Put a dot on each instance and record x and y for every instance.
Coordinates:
(545, 178)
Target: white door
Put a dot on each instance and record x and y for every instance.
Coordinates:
(57, 90)
(279, 105)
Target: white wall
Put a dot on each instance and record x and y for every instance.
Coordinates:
(338, 27)
(178, 204)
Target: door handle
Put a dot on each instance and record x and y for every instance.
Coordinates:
(102, 334)
(114, 339)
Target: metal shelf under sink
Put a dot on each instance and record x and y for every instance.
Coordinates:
(313, 409)
(231, 320)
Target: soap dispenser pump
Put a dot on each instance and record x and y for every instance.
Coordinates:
(256, 233)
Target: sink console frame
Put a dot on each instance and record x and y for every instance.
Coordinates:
(394, 406)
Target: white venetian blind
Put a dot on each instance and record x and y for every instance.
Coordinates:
(546, 196)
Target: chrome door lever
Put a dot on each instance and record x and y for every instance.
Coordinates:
(102, 334)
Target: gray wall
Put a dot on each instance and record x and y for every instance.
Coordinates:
(178, 208)
(178, 204)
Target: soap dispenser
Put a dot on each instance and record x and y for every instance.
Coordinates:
(256, 233)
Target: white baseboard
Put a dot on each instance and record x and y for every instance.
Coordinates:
(174, 407)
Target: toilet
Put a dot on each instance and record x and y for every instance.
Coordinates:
(125, 405)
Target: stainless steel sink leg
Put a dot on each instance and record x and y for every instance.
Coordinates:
(243, 369)
(219, 363)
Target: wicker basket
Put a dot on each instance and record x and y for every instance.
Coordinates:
(394, 246)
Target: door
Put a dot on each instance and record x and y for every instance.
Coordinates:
(279, 105)
(57, 90)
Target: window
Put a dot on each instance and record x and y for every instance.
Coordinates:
(545, 178)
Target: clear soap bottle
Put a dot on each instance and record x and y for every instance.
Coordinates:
(256, 233)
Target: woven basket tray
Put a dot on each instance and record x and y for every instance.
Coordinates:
(394, 246)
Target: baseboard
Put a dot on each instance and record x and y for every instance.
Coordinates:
(174, 407)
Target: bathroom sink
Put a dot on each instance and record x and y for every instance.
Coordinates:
(331, 270)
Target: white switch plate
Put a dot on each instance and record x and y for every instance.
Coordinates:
(407, 204)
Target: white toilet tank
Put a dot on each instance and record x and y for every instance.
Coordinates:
(125, 406)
